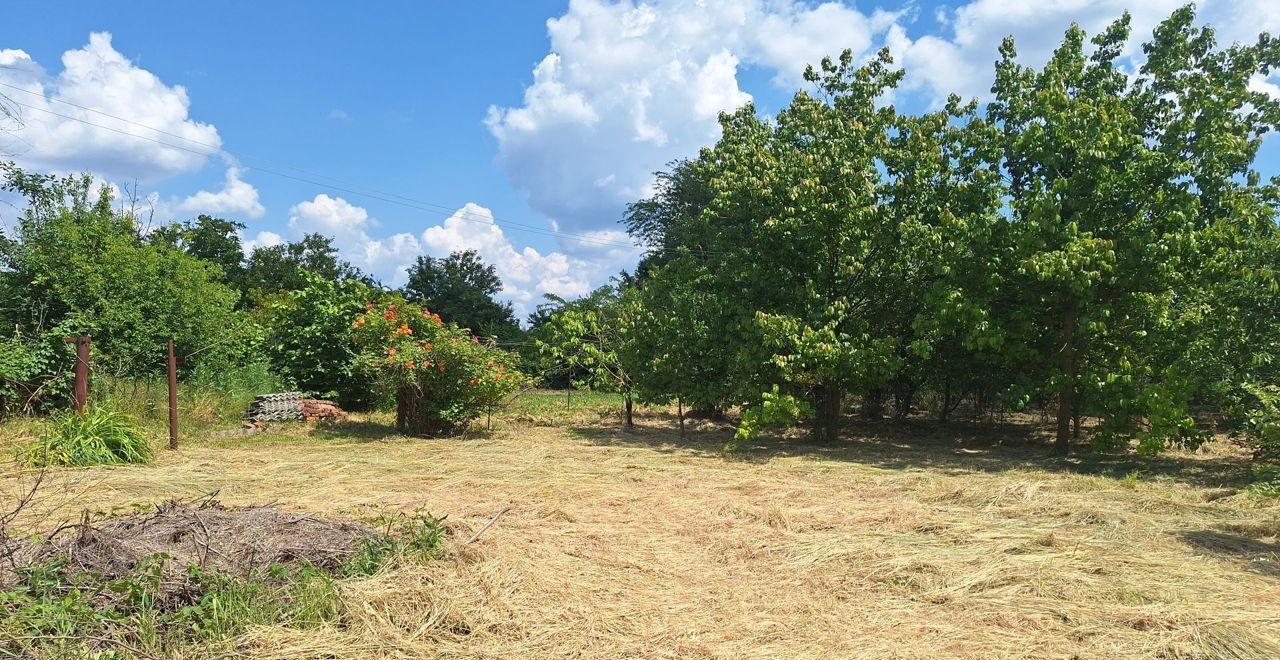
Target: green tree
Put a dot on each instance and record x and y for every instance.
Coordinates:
(585, 336)
(286, 267)
(1115, 181)
(309, 342)
(211, 239)
(461, 288)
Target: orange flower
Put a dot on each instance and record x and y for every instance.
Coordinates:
(368, 307)
(409, 364)
(473, 381)
(501, 367)
(405, 329)
(426, 345)
(390, 314)
(391, 352)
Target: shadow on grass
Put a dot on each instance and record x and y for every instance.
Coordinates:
(1253, 554)
(957, 447)
(358, 429)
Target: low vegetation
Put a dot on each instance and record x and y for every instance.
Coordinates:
(96, 436)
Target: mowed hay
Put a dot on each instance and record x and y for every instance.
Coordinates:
(631, 545)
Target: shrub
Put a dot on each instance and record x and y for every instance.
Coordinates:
(97, 436)
(309, 342)
(442, 376)
(1261, 430)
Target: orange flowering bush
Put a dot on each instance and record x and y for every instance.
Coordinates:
(442, 375)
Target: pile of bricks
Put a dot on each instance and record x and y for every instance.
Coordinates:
(314, 409)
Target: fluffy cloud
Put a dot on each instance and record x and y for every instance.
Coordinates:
(52, 136)
(628, 87)
(963, 60)
(526, 273)
(236, 199)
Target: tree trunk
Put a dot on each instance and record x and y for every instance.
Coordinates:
(827, 413)
(626, 397)
(1075, 417)
(946, 401)
(680, 414)
(873, 404)
(1067, 392)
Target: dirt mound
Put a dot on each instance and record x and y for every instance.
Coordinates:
(200, 533)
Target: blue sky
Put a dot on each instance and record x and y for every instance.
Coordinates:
(516, 128)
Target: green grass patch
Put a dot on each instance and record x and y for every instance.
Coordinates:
(96, 436)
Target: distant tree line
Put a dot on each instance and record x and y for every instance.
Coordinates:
(75, 263)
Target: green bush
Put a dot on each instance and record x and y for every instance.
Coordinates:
(443, 377)
(97, 436)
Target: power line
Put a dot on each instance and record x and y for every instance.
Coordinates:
(347, 188)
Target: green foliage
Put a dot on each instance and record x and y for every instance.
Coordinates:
(79, 267)
(209, 239)
(585, 337)
(460, 288)
(277, 269)
(776, 409)
(309, 344)
(442, 376)
(96, 436)
(1266, 482)
(415, 537)
(32, 370)
(51, 611)
(1262, 423)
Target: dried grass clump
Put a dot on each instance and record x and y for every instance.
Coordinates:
(640, 544)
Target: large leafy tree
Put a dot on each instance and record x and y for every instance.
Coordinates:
(288, 266)
(1114, 183)
(214, 240)
(461, 289)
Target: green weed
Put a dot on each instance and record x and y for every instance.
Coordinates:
(96, 436)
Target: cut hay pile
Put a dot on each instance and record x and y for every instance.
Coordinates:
(641, 545)
(202, 533)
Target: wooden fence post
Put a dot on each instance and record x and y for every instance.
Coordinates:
(80, 395)
(173, 398)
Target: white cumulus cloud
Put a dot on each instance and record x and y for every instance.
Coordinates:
(236, 199)
(526, 273)
(56, 136)
(628, 87)
(963, 59)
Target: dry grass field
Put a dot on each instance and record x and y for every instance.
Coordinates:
(902, 543)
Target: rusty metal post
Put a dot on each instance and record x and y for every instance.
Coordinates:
(173, 398)
(80, 395)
